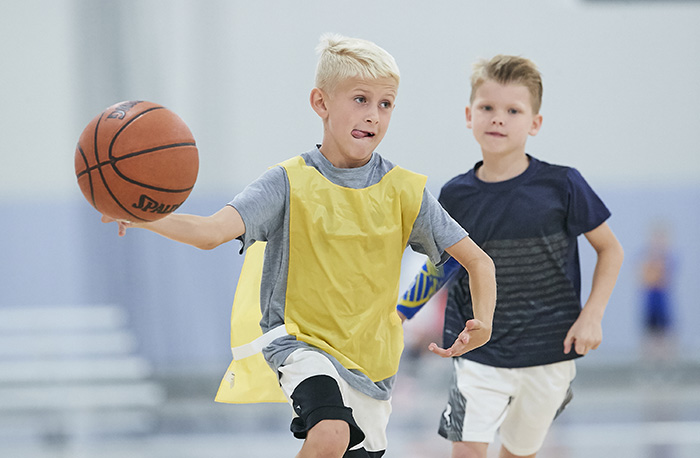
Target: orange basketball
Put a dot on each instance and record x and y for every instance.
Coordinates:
(136, 161)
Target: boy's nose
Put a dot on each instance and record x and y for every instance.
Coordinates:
(372, 115)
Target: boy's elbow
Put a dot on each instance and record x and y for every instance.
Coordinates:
(208, 244)
(208, 240)
(488, 264)
(618, 252)
(482, 264)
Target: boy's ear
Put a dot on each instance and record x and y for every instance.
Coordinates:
(318, 102)
(536, 124)
(468, 113)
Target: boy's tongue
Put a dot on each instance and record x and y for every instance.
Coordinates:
(359, 134)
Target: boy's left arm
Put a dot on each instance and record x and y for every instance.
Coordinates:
(482, 284)
(587, 332)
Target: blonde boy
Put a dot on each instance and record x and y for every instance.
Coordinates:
(526, 214)
(336, 220)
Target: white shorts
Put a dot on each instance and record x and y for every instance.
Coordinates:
(305, 378)
(519, 403)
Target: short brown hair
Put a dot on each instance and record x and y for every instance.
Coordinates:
(509, 70)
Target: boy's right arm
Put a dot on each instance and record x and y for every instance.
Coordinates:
(204, 232)
(482, 286)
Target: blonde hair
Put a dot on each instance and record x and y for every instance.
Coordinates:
(342, 57)
(509, 70)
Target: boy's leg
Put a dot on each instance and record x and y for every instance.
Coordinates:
(328, 413)
(326, 438)
(506, 454)
(372, 416)
(543, 392)
(469, 449)
(477, 405)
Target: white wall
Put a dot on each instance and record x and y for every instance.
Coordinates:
(620, 103)
(621, 81)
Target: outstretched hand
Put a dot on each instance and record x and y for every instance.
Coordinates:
(475, 334)
(122, 224)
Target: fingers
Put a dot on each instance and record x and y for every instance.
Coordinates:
(580, 346)
(460, 345)
(122, 224)
(567, 344)
(445, 353)
(577, 344)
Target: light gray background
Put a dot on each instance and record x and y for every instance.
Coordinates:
(621, 103)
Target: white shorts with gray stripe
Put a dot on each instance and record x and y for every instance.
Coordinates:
(519, 403)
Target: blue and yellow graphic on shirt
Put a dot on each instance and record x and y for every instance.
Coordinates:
(428, 282)
(424, 287)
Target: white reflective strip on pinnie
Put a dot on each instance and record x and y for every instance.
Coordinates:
(256, 346)
(230, 377)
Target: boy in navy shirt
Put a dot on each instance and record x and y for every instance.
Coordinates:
(526, 214)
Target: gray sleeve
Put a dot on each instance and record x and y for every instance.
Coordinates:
(434, 230)
(262, 205)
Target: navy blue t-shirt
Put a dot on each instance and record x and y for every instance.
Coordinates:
(529, 226)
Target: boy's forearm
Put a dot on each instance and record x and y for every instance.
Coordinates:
(605, 275)
(482, 278)
(482, 284)
(180, 227)
(204, 232)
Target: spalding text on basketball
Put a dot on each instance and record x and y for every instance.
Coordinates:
(121, 109)
(147, 204)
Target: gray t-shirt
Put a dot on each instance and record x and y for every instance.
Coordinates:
(264, 208)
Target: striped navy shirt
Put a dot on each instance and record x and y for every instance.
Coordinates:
(529, 226)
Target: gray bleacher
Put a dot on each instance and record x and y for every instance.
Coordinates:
(72, 372)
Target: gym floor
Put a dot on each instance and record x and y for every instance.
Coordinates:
(619, 410)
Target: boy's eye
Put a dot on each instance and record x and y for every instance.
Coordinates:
(385, 104)
(360, 99)
(486, 107)
(513, 111)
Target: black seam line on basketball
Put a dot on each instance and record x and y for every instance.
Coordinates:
(113, 160)
(127, 124)
(150, 150)
(113, 163)
(92, 190)
(99, 169)
(134, 154)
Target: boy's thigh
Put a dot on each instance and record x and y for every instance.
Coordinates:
(477, 403)
(520, 404)
(543, 392)
(317, 392)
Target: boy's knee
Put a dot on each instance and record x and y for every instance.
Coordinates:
(505, 453)
(318, 400)
(469, 449)
(328, 438)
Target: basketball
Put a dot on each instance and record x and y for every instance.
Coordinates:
(136, 161)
